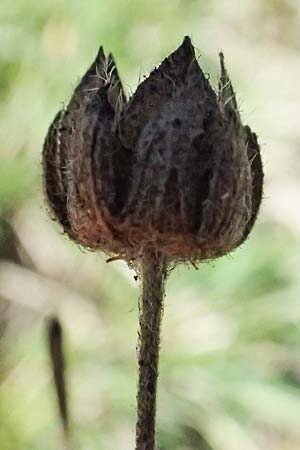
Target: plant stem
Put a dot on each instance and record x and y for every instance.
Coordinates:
(150, 315)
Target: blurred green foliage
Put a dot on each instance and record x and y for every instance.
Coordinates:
(230, 361)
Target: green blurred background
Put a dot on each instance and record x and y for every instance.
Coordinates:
(230, 360)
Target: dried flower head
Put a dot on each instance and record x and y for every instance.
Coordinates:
(169, 174)
(172, 168)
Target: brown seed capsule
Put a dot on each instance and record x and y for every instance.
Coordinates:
(173, 168)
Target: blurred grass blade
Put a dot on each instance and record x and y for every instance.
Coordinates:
(55, 340)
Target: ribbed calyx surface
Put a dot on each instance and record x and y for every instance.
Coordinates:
(172, 168)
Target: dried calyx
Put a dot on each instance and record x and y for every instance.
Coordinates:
(170, 174)
(172, 168)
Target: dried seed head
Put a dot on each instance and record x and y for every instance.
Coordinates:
(172, 168)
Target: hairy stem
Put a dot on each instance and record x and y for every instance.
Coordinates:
(151, 308)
